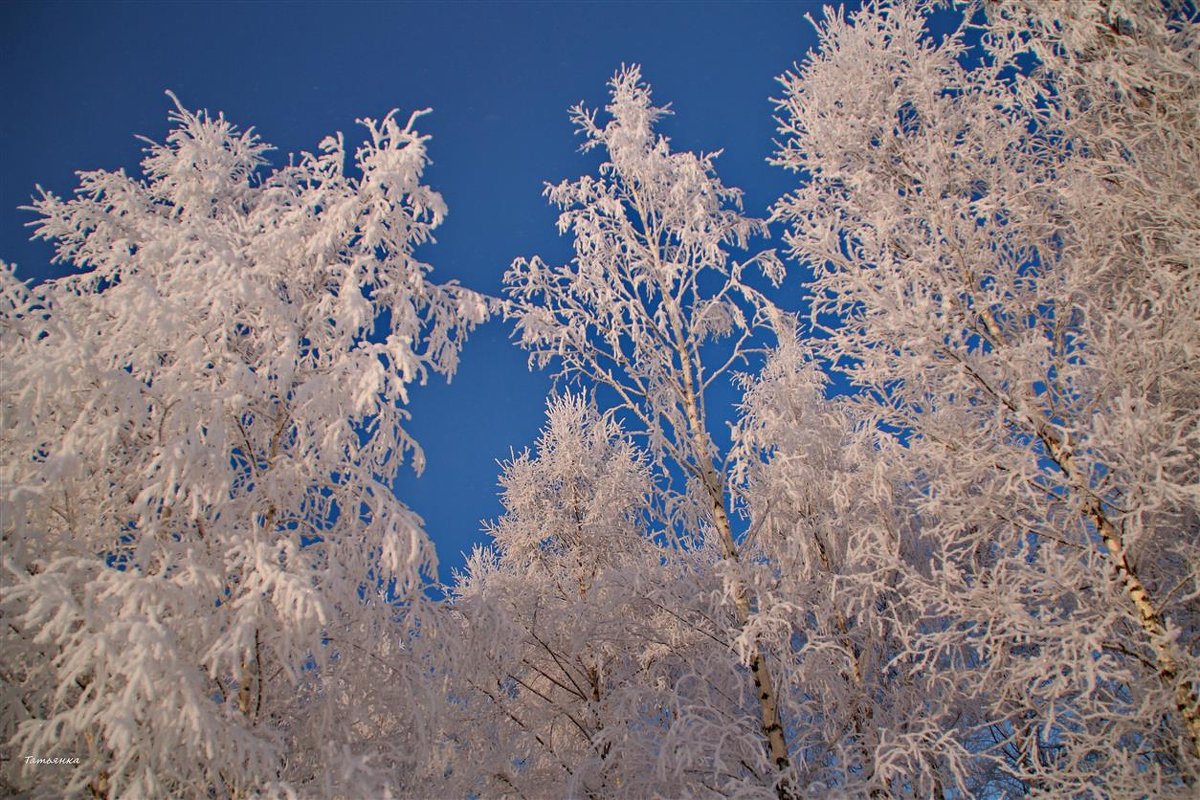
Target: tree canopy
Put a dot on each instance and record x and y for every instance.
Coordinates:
(972, 569)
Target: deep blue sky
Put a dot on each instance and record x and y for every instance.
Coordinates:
(79, 80)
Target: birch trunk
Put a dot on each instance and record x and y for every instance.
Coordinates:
(764, 684)
(1166, 656)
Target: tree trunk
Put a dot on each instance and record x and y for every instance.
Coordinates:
(764, 684)
(1166, 656)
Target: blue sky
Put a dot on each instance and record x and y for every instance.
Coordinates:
(80, 80)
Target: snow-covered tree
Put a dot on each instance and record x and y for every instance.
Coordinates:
(824, 515)
(553, 625)
(652, 311)
(976, 574)
(210, 587)
(1004, 223)
(594, 661)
